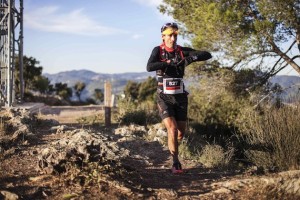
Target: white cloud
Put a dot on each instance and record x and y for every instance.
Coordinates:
(155, 4)
(137, 36)
(152, 3)
(49, 19)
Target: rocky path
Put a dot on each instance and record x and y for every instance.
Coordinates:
(48, 160)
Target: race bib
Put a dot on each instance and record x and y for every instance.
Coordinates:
(172, 86)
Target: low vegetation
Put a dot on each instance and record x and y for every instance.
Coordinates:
(138, 104)
(273, 135)
(229, 122)
(98, 119)
(233, 115)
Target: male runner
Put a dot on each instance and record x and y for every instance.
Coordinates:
(169, 61)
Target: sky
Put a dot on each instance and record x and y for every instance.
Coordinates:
(104, 36)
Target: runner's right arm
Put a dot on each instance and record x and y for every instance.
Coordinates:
(154, 62)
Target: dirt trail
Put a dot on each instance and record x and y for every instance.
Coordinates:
(145, 175)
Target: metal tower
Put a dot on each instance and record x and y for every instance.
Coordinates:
(11, 50)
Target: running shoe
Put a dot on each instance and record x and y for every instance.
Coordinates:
(176, 168)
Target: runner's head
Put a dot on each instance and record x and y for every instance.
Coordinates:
(169, 28)
(169, 33)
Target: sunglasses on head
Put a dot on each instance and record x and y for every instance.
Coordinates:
(167, 25)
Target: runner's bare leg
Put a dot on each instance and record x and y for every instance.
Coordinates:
(181, 129)
(172, 129)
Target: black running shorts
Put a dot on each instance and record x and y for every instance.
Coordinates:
(173, 105)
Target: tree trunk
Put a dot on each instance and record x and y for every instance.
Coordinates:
(287, 59)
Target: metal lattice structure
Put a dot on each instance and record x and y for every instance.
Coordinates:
(11, 49)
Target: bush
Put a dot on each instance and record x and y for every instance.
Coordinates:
(220, 102)
(214, 105)
(274, 137)
(96, 119)
(192, 144)
(215, 156)
(196, 147)
(134, 117)
(131, 112)
(5, 126)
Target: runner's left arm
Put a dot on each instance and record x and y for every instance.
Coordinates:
(192, 55)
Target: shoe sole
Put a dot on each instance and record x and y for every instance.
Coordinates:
(177, 171)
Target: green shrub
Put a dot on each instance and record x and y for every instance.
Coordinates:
(273, 135)
(215, 104)
(215, 156)
(91, 120)
(131, 112)
(220, 102)
(192, 144)
(5, 127)
(134, 117)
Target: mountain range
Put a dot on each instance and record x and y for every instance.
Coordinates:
(93, 80)
(290, 86)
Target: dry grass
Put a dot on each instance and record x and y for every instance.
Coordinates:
(215, 156)
(5, 126)
(276, 137)
(74, 115)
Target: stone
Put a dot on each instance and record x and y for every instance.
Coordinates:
(9, 195)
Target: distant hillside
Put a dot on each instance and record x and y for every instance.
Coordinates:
(289, 84)
(286, 81)
(95, 80)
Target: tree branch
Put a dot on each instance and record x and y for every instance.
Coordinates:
(283, 55)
